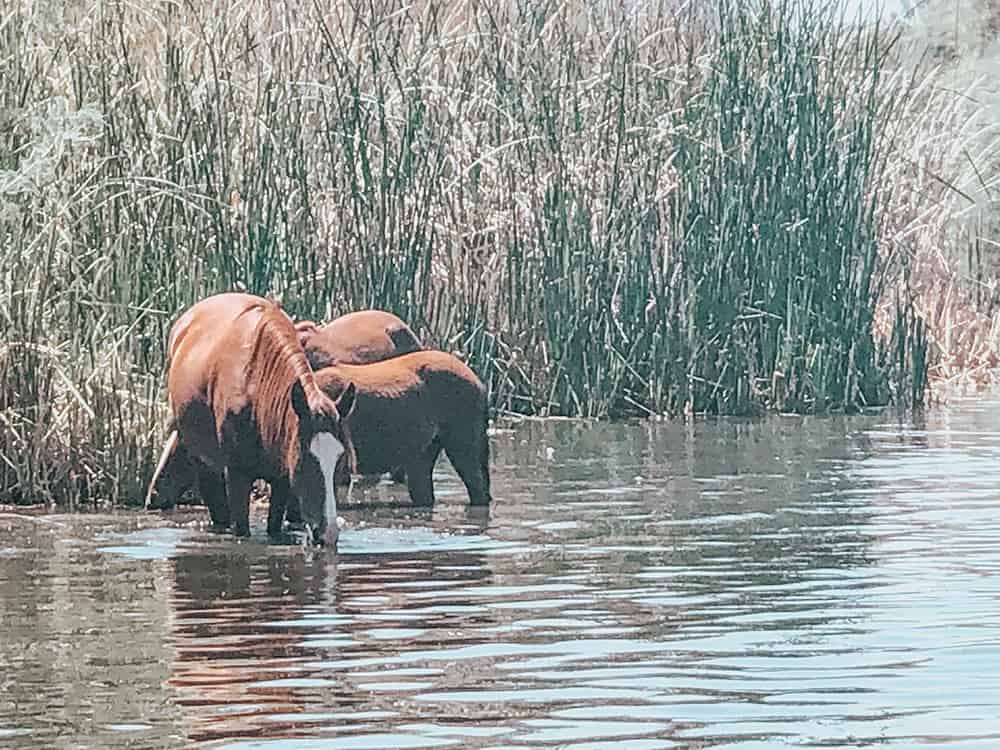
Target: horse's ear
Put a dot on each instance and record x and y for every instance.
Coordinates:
(345, 401)
(305, 329)
(299, 401)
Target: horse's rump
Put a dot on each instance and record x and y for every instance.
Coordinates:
(361, 337)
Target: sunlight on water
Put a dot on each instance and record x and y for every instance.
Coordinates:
(728, 583)
(147, 544)
(378, 541)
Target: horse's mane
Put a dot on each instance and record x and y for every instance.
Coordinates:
(276, 363)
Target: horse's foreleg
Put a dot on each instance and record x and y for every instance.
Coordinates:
(212, 488)
(282, 502)
(293, 510)
(342, 474)
(238, 491)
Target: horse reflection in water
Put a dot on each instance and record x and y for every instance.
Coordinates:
(249, 630)
(224, 604)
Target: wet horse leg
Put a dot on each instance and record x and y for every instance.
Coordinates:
(342, 474)
(238, 491)
(293, 510)
(471, 459)
(212, 489)
(283, 504)
(420, 475)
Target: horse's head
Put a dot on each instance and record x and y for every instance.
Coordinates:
(308, 435)
(323, 439)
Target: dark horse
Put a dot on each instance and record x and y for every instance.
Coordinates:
(357, 338)
(406, 411)
(246, 405)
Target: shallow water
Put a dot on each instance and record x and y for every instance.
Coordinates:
(786, 583)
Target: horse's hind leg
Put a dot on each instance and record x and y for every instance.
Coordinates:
(212, 488)
(420, 475)
(471, 459)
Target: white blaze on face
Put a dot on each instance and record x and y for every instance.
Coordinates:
(327, 450)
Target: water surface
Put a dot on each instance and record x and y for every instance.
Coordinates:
(792, 582)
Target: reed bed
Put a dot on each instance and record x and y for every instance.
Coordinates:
(608, 210)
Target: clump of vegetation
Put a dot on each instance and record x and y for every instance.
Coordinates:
(942, 209)
(607, 209)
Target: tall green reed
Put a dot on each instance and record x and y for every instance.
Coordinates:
(606, 211)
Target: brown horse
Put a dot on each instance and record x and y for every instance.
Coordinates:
(407, 410)
(246, 405)
(357, 338)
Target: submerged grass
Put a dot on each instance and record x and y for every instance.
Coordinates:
(606, 210)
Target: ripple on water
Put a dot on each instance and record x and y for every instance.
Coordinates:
(381, 541)
(147, 544)
(374, 741)
(806, 582)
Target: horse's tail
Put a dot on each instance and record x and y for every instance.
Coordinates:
(165, 455)
(484, 450)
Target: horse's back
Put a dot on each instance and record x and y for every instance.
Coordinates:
(417, 376)
(208, 320)
(360, 337)
(369, 323)
(448, 373)
(208, 358)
